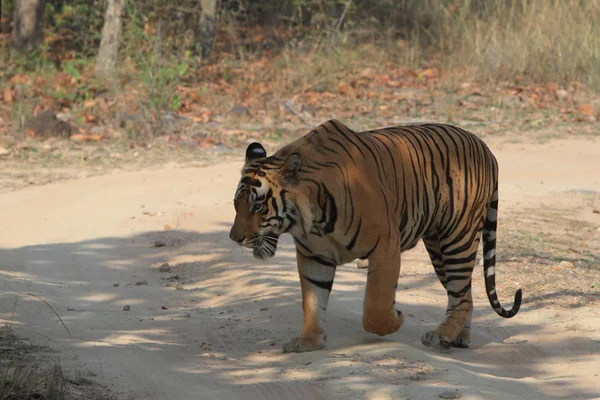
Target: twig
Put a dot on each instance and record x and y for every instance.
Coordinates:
(288, 104)
(12, 316)
(59, 318)
(341, 20)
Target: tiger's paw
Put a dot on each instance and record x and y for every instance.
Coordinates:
(301, 344)
(381, 324)
(434, 338)
(463, 339)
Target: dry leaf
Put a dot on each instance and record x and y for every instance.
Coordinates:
(428, 73)
(586, 109)
(9, 96)
(344, 88)
(89, 103)
(167, 227)
(80, 137)
(19, 79)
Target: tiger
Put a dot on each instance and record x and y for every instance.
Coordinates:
(369, 196)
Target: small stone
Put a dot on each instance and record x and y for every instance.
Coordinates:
(127, 308)
(163, 308)
(116, 284)
(264, 309)
(165, 267)
(561, 94)
(450, 395)
(239, 109)
(272, 344)
(173, 278)
(566, 264)
(160, 243)
(141, 283)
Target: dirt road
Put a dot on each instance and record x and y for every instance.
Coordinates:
(212, 326)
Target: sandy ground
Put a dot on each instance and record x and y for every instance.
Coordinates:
(212, 327)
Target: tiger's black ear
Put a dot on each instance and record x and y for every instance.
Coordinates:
(290, 171)
(254, 152)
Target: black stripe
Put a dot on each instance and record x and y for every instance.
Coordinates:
(320, 260)
(251, 182)
(283, 203)
(322, 284)
(372, 250)
(461, 292)
(352, 243)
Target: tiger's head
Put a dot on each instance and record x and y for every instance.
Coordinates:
(268, 202)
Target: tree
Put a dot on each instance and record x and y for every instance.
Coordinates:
(205, 31)
(27, 31)
(111, 37)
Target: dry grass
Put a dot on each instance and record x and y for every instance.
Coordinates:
(533, 40)
(30, 371)
(22, 375)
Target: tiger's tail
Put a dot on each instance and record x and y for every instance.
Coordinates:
(489, 261)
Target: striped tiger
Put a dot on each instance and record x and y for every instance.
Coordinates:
(346, 195)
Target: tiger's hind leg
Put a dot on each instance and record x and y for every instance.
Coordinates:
(432, 244)
(454, 260)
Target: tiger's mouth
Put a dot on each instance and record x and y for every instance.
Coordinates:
(266, 246)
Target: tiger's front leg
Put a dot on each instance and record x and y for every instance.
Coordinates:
(379, 312)
(316, 281)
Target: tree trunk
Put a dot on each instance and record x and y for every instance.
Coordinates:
(27, 31)
(205, 31)
(111, 37)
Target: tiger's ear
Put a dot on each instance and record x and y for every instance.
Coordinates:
(290, 170)
(255, 151)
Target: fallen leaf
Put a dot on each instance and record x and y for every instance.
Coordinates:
(19, 79)
(586, 109)
(9, 96)
(167, 227)
(79, 137)
(428, 73)
(344, 88)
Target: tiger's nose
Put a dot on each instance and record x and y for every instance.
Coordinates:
(236, 237)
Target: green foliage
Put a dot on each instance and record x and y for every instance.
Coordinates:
(74, 28)
(72, 70)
